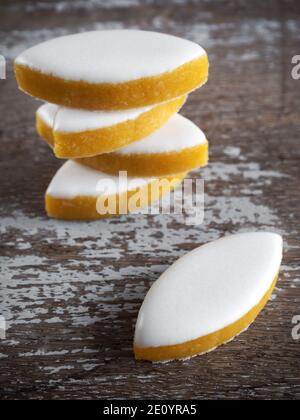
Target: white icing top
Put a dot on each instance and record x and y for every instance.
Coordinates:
(113, 56)
(47, 113)
(74, 180)
(70, 120)
(209, 289)
(178, 134)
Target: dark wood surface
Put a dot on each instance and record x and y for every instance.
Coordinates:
(71, 292)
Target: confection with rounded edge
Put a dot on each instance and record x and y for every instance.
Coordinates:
(112, 70)
(80, 193)
(76, 133)
(179, 146)
(208, 297)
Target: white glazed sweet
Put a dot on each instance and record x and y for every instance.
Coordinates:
(178, 134)
(68, 120)
(75, 180)
(113, 56)
(209, 289)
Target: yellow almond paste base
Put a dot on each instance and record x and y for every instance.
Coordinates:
(132, 94)
(85, 208)
(108, 139)
(145, 165)
(44, 131)
(203, 344)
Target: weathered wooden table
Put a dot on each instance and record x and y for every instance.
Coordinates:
(70, 292)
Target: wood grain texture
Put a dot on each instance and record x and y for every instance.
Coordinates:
(71, 292)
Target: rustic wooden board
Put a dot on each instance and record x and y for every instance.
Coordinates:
(70, 292)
